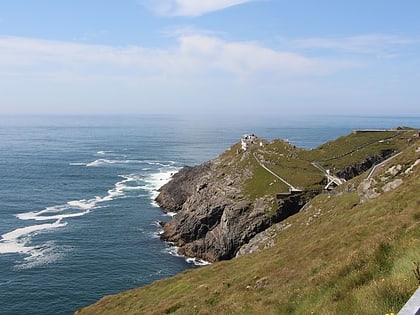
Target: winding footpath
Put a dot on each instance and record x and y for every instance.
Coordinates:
(291, 187)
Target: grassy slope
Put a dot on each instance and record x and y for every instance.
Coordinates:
(338, 257)
(294, 164)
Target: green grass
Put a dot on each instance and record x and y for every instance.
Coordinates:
(339, 256)
(294, 164)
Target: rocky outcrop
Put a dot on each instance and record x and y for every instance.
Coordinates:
(214, 219)
(183, 184)
(358, 168)
(263, 240)
(391, 179)
(367, 190)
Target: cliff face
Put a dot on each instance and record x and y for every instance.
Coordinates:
(214, 218)
(173, 195)
(222, 204)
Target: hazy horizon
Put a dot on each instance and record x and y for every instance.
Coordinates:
(226, 57)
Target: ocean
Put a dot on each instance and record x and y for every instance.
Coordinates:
(77, 214)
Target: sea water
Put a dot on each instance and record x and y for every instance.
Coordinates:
(77, 214)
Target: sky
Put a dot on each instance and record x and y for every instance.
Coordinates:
(210, 56)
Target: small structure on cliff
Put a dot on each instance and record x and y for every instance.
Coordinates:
(247, 141)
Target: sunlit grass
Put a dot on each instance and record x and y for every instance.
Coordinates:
(339, 256)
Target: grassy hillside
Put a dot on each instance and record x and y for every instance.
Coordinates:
(294, 164)
(339, 256)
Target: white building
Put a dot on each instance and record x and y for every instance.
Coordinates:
(247, 141)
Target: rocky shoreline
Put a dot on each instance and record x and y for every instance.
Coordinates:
(213, 218)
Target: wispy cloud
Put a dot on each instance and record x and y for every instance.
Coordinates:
(245, 59)
(196, 68)
(190, 7)
(378, 44)
(193, 55)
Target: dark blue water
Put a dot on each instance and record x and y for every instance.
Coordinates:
(77, 218)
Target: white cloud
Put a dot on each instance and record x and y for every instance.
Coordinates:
(244, 59)
(44, 76)
(199, 71)
(190, 7)
(377, 44)
(194, 55)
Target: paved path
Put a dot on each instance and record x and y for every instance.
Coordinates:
(412, 307)
(292, 188)
(331, 178)
(377, 167)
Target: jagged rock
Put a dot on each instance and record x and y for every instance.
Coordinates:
(173, 195)
(366, 190)
(394, 170)
(263, 240)
(410, 169)
(392, 185)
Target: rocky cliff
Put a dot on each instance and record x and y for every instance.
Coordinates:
(350, 250)
(217, 214)
(214, 217)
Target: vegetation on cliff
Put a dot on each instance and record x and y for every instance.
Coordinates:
(352, 250)
(225, 202)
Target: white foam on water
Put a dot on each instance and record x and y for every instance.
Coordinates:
(155, 234)
(197, 261)
(17, 240)
(77, 164)
(156, 180)
(100, 162)
(103, 152)
(71, 209)
(173, 250)
(45, 254)
(122, 186)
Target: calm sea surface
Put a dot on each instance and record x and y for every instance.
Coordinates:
(77, 218)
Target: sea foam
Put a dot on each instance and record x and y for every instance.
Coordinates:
(19, 241)
(156, 180)
(174, 251)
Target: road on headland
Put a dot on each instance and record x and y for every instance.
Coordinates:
(292, 188)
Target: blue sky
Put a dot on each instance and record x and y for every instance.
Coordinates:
(203, 57)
